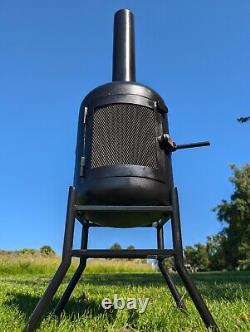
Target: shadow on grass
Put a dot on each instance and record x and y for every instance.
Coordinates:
(26, 303)
(213, 286)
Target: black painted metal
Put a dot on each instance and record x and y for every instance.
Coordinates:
(160, 237)
(77, 275)
(126, 208)
(70, 224)
(192, 145)
(45, 300)
(84, 253)
(124, 49)
(126, 192)
(173, 289)
(123, 253)
(118, 182)
(179, 264)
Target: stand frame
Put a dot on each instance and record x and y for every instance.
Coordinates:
(160, 254)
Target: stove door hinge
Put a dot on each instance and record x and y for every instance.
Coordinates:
(82, 166)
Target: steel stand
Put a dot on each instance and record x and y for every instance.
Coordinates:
(174, 291)
(77, 275)
(160, 254)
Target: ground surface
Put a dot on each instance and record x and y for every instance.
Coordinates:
(227, 295)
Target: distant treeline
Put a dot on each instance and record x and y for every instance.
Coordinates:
(44, 250)
(230, 248)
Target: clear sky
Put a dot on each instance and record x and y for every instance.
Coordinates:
(196, 54)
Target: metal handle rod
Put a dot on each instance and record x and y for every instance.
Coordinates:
(192, 145)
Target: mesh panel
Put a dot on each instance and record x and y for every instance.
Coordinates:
(124, 134)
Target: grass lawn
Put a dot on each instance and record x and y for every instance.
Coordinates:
(227, 295)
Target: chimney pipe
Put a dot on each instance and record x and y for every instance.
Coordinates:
(123, 46)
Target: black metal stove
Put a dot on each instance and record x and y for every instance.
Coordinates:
(123, 175)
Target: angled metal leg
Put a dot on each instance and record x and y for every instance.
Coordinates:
(179, 264)
(46, 299)
(77, 275)
(174, 291)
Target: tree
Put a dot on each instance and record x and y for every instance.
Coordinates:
(169, 264)
(130, 247)
(27, 251)
(197, 256)
(47, 250)
(216, 253)
(235, 217)
(116, 246)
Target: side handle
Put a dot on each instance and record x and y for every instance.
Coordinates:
(169, 145)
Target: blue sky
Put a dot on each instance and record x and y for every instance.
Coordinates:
(196, 54)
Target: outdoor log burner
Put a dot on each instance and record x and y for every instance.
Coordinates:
(123, 175)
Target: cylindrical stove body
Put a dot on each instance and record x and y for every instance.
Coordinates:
(119, 160)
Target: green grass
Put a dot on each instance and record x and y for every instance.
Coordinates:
(37, 264)
(227, 295)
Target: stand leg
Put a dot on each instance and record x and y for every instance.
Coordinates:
(77, 275)
(46, 299)
(188, 283)
(174, 291)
